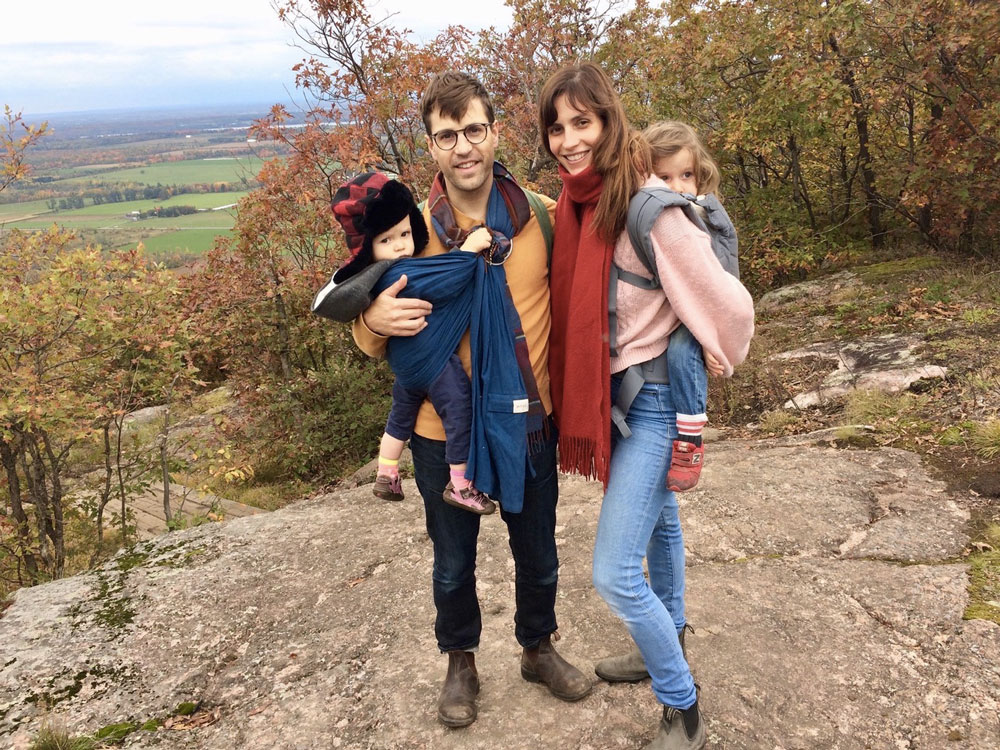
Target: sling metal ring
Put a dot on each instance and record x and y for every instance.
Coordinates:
(490, 251)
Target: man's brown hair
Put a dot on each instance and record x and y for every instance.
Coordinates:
(450, 93)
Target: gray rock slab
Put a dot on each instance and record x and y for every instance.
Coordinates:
(807, 290)
(843, 655)
(760, 499)
(148, 415)
(886, 363)
(312, 627)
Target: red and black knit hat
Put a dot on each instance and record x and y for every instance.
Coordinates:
(368, 205)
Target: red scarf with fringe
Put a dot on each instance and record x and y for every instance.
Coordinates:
(579, 360)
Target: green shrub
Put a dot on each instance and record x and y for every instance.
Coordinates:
(777, 245)
(323, 424)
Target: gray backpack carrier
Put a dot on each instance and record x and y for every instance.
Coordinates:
(643, 211)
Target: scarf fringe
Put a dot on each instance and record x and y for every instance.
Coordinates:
(539, 438)
(577, 455)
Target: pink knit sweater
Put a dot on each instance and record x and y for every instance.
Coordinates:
(713, 304)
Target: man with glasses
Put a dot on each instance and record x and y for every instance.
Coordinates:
(469, 191)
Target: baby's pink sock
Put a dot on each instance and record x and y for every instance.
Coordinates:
(458, 480)
(388, 466)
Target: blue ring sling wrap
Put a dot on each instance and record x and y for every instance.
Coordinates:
(468, 293)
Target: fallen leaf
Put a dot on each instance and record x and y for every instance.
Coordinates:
(202, 718)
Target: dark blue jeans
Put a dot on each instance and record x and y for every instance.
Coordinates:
(455, 532)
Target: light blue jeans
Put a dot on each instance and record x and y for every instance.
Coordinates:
(639, 519)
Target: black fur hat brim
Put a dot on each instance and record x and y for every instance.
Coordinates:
(393, 203)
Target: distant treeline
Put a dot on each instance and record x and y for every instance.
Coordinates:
(166, 212)
(117, 193)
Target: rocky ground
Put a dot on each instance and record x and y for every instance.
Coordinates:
(826, 588)
(828, 577)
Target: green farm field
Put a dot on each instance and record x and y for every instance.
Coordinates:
(189, 235)
(108, 224)
(95, 159)
(187, 172)
(15, 213)
(221, 220)
(180, 241)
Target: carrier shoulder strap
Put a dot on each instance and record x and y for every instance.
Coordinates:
(643, 211)
(649, 202)
(544, 222)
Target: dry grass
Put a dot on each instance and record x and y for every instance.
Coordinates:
(986, 439)
(984, 577)
(53, 738)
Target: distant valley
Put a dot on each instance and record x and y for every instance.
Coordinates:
(169, 178)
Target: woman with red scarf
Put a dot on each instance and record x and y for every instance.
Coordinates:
(603, 162)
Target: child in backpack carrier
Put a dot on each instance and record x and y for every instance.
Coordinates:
(381, 221)
(681, 160)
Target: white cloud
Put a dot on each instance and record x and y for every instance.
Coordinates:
(68, 54)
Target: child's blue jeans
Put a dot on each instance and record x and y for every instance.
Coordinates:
(686, 369)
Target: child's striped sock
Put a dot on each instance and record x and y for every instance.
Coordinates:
(388, 466)
(690, 426)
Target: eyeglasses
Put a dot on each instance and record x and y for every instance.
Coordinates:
(475, 133)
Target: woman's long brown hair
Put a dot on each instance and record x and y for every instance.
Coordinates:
(621, 157)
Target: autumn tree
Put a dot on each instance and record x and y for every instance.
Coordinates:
(16, 137)
(545, 35)
(311, 403)
(361, 80)
(85, 336)
(76, 328)
(829, 119)
(938, 117)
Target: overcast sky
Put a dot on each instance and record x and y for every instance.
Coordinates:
(64, 55)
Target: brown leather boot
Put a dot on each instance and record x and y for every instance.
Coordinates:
(544, 664)
(631, 667)
(628, 667)
(457, 704)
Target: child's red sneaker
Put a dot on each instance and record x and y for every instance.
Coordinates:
(685, 466)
